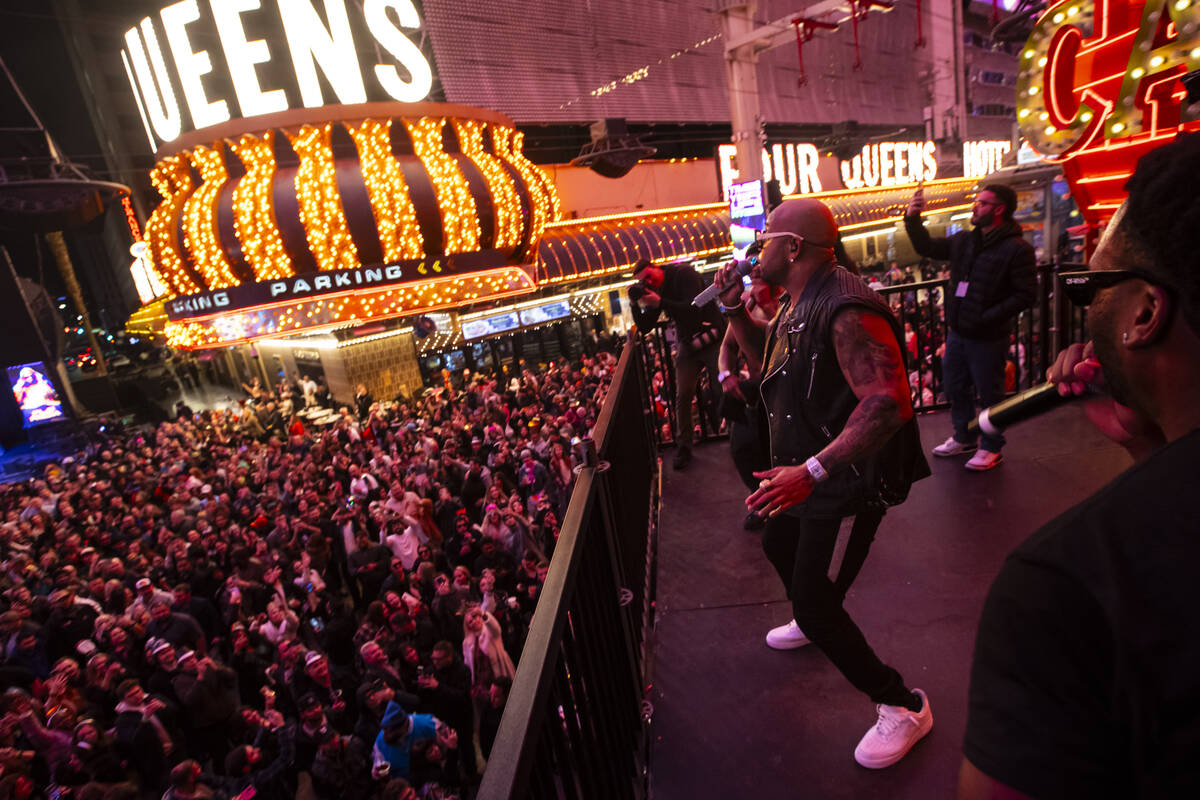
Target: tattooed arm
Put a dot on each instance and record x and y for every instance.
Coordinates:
(870, 358)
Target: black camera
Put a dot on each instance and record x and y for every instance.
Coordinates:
(637, 291)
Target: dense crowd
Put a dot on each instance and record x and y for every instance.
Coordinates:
(238, 604)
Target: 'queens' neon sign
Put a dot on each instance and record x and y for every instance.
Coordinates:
(318, 43)
(1100, 85)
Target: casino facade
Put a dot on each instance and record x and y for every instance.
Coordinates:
(315, 211)
(311, 242)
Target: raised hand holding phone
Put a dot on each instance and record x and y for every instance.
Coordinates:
(917, 204)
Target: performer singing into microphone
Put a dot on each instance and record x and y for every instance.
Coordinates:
(1085, 679)
(843, 442)
(671, 288)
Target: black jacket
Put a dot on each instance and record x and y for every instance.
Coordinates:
(451, 700)
(681, 283)
(808, 401)
(1000, 272)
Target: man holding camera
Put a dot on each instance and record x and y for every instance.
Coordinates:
(992, 280)
(671, 288)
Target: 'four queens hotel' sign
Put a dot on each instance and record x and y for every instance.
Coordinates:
(221, 59)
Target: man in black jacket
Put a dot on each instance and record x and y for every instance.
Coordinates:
(698, 331)
(992, 280)
(363, 401)
(446, 693)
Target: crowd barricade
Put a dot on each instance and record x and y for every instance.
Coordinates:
(576, 723)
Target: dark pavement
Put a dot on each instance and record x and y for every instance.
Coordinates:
(735, 719)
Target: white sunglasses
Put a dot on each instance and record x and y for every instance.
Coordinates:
(760, 238)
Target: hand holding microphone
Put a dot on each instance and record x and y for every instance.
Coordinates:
(726, 280)
(1077, 371)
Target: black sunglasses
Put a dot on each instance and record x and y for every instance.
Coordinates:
(1081, 287)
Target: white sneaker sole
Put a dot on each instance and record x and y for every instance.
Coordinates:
(962, 452)
(869, 763)
(791, 644)
(982, 467)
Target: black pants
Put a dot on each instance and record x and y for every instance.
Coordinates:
(801, 551)
(688, 364)
(749, 446)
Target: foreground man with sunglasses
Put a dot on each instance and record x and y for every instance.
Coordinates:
(844, 443)
(1086, 679)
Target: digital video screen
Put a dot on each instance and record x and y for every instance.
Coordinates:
(539, 314)
(35, 393)
(475, 328)
(747, 214)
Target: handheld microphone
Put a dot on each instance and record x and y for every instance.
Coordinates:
(741, 270)
(1020, 407)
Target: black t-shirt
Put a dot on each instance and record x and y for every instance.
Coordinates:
(1086, 681)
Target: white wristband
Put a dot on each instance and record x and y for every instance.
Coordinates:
(815, 469)
(722, 375)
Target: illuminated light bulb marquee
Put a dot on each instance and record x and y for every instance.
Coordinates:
(399, 233)
(200, 219)
(504, 191)
(300, 232)
(544, 206)
(459, 218)
(221, 329)
(254, 218)
(1099, 86)
(172, 177)
(320, 207)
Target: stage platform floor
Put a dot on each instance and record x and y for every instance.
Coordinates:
(735, 719)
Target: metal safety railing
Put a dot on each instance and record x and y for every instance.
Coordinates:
(1035, 338)
(658, 362)
(576, 724)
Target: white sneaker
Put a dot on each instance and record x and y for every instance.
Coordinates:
(984, 460)
(786, 637)
(894, 734)
(953, 447)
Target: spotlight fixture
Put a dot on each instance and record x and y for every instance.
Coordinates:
(613, 151)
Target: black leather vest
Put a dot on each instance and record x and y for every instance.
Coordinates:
(807, 398)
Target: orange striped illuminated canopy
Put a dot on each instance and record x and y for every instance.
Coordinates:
(440, 194)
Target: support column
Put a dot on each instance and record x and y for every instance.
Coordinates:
(61, 257)
(262, 363)
(947, 85)
(741, 68)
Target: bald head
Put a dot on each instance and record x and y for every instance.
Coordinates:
(811, 219)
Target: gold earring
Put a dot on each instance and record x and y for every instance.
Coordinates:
(1125, 336)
